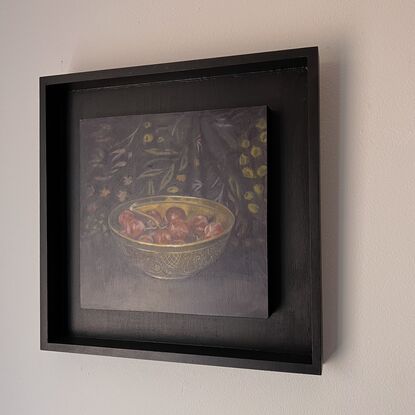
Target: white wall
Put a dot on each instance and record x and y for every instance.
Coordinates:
(367, 51)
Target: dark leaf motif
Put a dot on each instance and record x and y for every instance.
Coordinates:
(90, 190)
(235, 204)
(176, 124)
(241, 228)
(98, 156)
(231, 197)
(159, 152)
(219, 197)
(227, 136)
(223, 125)
(167, 177)
(117, 153)
(150, 173)
(150, 188)
(120, 164)
(199, 144)
(159, 163)
(183, 161)
(215, 182)
(102, 178)
(97, 165)
(234, 186)
(197, 185)
(129, 139)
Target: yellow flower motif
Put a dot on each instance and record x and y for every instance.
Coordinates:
(122, 195)
(256, 151)
(261, 124)
(253, 207)
(197, 163)
(147, 124)
(148, 138)
(248, 172)
(160, 140)
(173, 189)
(262, 170)
(263, 137)
(104, 192)
(245, 143)
(243, 160)
(259, 189)
(181, 177)
(248, 195)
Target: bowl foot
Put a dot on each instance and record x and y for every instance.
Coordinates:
(162, 277)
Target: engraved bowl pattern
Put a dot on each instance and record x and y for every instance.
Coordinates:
(174, 261)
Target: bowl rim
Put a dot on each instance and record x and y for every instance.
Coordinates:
(177, 197)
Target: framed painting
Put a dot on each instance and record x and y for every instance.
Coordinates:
(180, 212)
(180, 198)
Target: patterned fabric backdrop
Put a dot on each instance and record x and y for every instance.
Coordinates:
(216, 154)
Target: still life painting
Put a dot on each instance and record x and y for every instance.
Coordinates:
(174, 212)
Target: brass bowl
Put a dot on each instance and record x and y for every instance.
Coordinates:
(174, 261)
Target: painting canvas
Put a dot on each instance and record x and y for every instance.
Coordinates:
(174, 212)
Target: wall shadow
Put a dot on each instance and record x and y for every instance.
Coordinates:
(332, 112)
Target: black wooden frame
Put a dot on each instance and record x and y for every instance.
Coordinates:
(54, 111)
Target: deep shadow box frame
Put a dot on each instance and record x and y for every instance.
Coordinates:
(288, 83)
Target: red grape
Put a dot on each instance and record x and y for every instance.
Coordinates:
(125, 217)
(134, 228)
(198, 224)
(179, 229)
(213, 229)
(175, 213)
(162, 236)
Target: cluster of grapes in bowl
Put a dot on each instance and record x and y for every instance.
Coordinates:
(174, 228)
